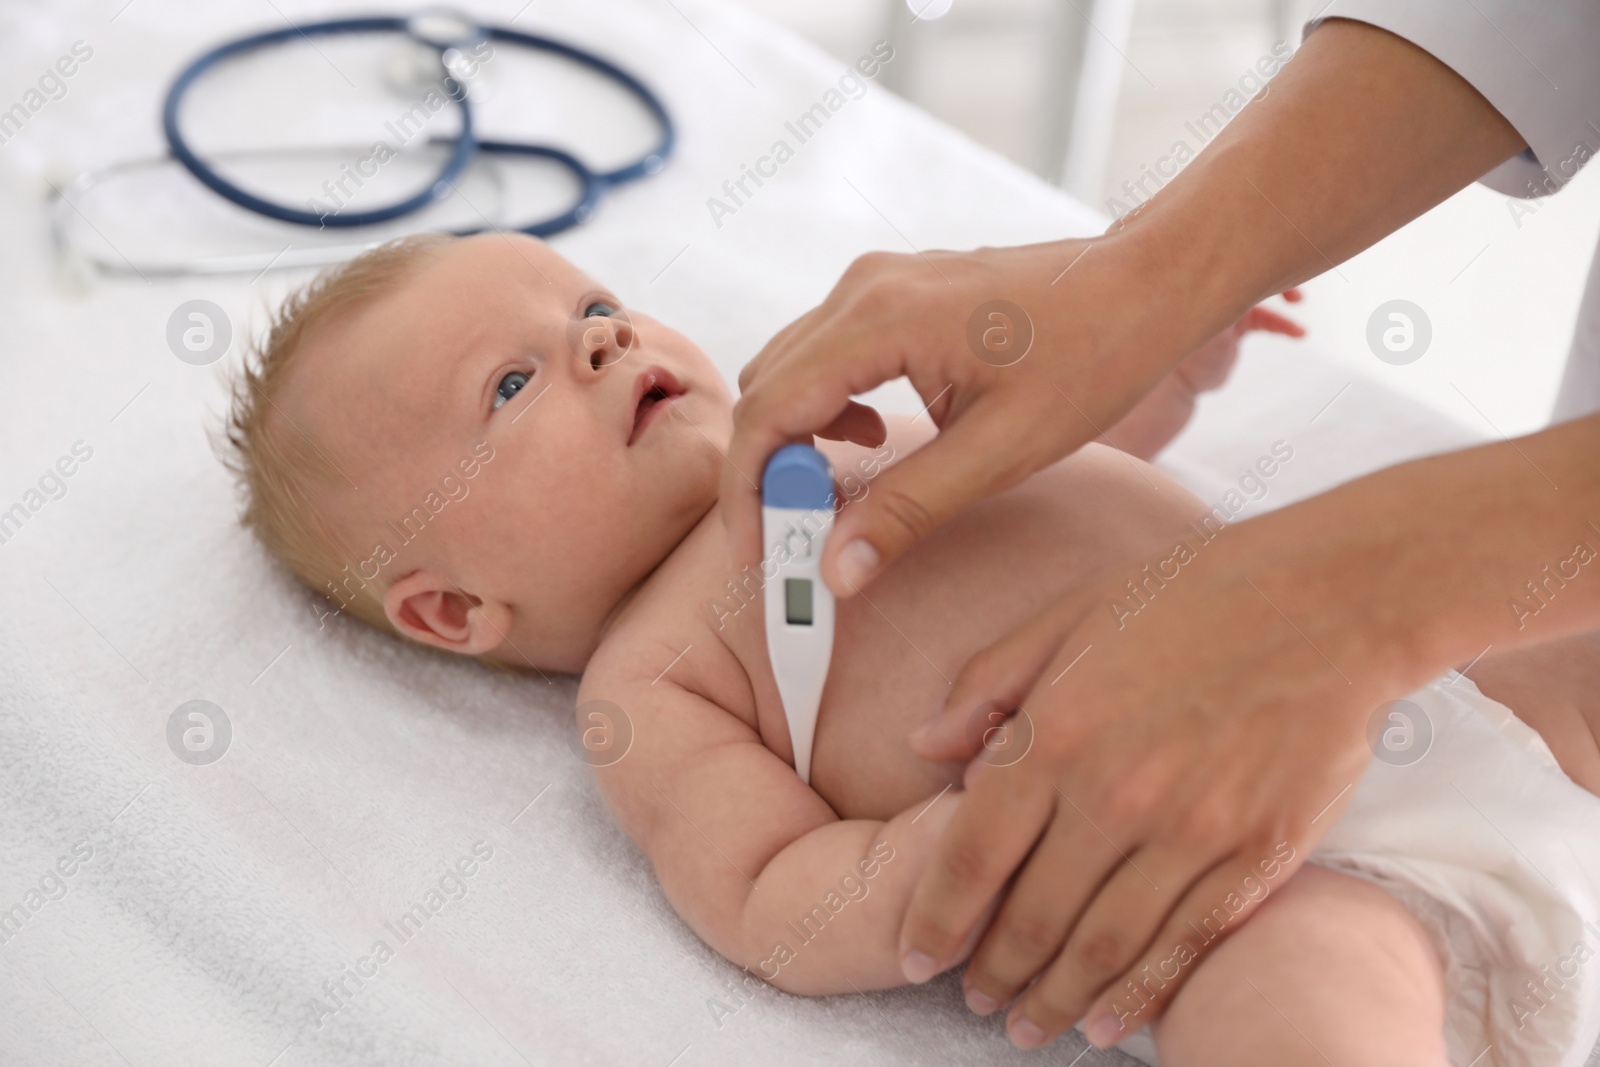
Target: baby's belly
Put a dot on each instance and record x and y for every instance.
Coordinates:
(877, 693)
(900, 645)
(896, 655)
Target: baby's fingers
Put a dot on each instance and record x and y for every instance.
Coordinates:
(1265, 319)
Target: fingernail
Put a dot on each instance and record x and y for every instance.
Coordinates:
(1103, 1029)
(857, 561)
(918, 967)
(981, 1002)
(1026, 1035)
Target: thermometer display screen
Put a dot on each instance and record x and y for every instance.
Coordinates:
(797, 601)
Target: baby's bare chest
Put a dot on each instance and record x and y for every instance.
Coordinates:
(900, 645)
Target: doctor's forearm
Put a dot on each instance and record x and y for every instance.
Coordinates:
(1420, 567)
(1360, 133)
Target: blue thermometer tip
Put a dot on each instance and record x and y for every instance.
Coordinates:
(797, 476)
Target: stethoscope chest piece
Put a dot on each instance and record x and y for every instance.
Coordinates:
(434, 51)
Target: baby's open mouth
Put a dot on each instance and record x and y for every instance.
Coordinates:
(651, 394)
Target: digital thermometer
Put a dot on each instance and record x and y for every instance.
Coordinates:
(796, 516)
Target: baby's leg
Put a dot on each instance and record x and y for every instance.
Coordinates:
(1330, 970)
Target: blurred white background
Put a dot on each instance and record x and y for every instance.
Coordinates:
(1501, 288)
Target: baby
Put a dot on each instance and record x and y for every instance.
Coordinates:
(471, 444)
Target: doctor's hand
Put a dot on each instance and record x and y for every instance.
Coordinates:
(1173, 745)
(1023, 354)
(1176, 752)
(1020, 354)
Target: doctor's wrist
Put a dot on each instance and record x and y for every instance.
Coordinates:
(1424, 566)
(1192, 274)
(1338, 568)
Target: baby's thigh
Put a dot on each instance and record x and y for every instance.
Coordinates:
(1331, 969)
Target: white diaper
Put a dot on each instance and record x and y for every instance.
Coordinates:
(1497, 853)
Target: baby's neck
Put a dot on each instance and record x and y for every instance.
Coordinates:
(698, 563)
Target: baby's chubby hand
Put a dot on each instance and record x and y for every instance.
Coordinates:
(1167, 409)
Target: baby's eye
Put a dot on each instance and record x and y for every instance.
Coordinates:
(509, 387)
(598, 310)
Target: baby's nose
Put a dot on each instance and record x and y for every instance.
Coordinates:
(604, 339)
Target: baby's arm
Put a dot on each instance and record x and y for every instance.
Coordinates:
(755, 861)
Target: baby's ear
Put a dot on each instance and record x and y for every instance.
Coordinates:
(428, 607)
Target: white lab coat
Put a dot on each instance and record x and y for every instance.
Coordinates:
(1538, 63)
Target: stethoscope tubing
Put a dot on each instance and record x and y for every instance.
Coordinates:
(592, 186)
(178, 145)
(64, 205)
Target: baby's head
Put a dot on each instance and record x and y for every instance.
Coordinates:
(471, 443)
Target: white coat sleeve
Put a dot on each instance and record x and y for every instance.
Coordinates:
(1536, 61)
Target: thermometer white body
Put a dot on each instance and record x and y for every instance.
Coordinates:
(796, 517)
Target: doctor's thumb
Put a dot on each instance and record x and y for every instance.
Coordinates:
(900, 507)
(967, 461)
(863, 546)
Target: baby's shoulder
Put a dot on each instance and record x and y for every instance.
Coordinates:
(666, 638)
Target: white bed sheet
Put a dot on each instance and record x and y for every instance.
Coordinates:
(220, 899)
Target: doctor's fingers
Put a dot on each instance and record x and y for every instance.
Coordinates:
(784, 403)
(993, 682)
(859, 423)
(1120, 920)
(808, 389)
(802, 384)
(1033, 926)
(780, 343)
(867, 291)
(977, 453)
(1002, 814)
(1217, 905)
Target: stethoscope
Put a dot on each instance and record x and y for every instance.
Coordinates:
(448, 33)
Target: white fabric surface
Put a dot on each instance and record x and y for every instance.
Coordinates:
(218, 902)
